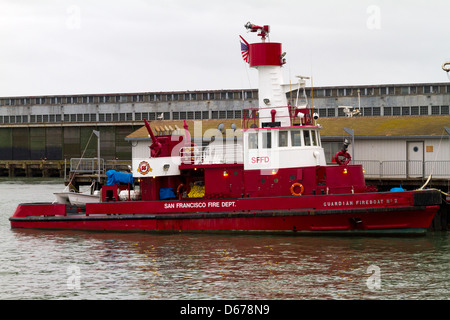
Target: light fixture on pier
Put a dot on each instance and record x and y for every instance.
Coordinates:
(266, 101)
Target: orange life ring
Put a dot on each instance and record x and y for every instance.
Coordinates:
(302, 189)
(180, 187)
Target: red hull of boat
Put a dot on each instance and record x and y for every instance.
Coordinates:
(355, 214)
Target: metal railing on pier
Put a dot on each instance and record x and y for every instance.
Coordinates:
(86, 165)
(405, 169)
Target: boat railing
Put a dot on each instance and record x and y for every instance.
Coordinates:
(86, 165)
(251, 116)
(405, 169)
(213, 154)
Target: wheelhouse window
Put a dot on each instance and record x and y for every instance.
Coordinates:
(307, 137)
(253, 140)
(314, 137)
(296, 138)
(267, 140)
(283, 139)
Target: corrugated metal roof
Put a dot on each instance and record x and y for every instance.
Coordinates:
(331, 127)
(386, 126)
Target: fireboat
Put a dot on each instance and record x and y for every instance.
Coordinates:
(276, 182)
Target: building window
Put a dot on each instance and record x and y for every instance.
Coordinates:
(405, 111)
(190, 115)
(331, 112)
(444, 110)
(427, 89)
(423, 110)
(238, 114)
(396, 111)
(367, 112)
(404, 90)
(176, 115)
(205, 114)
(383, 90)
(387, 111)
(415, 111)
(376, 111)
(198, 115)
(222, 114)
(435, 110)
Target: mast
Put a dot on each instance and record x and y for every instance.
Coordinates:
(267, 58)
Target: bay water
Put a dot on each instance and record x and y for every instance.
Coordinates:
(69, 265)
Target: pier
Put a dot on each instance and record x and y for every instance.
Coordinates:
(56, 169)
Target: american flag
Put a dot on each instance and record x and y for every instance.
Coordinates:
(244, 50)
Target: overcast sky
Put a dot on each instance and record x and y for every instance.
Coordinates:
(88, 47)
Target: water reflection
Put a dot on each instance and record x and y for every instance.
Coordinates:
(198, 266)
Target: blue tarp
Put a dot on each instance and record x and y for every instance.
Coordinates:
(116, 177)
(166, 193)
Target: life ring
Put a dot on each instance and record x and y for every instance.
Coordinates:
(294, 185)
(344, 154)
(180, 189)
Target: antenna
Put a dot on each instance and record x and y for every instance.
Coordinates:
(301, 84)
